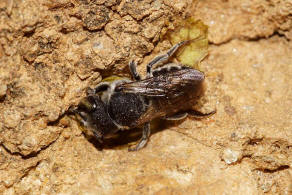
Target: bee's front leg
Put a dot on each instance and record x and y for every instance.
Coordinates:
(135, 74)
(144, 139)
(100, 87)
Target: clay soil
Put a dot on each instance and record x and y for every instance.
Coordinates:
(51, 51)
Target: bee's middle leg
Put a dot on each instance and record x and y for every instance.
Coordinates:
(144, 139)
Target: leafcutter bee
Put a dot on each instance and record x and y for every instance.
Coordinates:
(168, 92)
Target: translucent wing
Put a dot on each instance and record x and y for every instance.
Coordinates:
(169, 85)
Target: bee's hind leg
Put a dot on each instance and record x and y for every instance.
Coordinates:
(191, 113)
(164, 57)
(199, 115)
(144, 139)
(135, 74)
(176, 117)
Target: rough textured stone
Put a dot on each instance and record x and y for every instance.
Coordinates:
(245, 19)
(51, 51)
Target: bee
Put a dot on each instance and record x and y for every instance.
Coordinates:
(168, 91)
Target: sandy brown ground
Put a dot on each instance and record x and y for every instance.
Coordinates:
(51, 52)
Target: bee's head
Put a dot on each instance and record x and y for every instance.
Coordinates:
(85, 117)
(92, 115)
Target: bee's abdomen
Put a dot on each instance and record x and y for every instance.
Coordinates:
(126, 108)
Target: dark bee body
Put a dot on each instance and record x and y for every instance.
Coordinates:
(127, 108)
(169, 91)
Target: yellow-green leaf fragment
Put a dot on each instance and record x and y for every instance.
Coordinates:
(194, 31)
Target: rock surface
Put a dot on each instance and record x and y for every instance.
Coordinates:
(51, 51)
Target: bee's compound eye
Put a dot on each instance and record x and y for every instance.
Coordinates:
(87, 104)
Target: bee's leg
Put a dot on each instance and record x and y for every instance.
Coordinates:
(144, 139)
(175, 117)
(135, 74)
(163, 58)
(199, 115)
(100, 87)
(98, 136)
(170, 67)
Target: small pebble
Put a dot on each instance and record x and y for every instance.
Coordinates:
(231, 156)
(3, 89)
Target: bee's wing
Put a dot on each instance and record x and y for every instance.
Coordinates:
(171, 84)
(144, 87)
